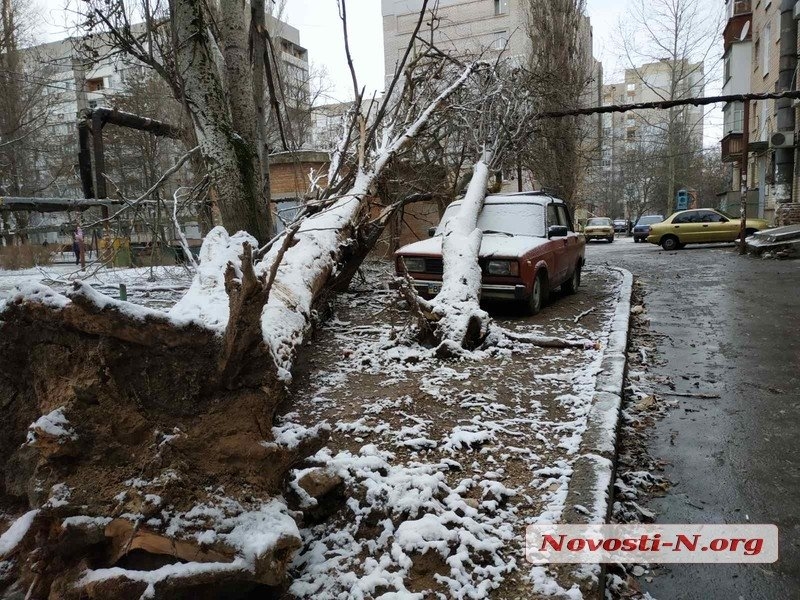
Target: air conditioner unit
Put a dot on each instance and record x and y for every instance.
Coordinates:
(782, 139)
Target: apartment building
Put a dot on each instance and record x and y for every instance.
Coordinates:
(470, 28)
(627, 136)
(78, 73)
(752, 48)
(462, 27)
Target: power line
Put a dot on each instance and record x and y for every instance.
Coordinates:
(666, 104)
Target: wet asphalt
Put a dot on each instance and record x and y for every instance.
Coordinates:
(730, 326)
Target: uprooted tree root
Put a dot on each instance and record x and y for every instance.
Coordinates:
(142, 444)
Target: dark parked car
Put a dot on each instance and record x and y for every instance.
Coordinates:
(529, 247)
(642, 228)
(621, 225)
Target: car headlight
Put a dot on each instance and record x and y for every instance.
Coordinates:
(502, 267)
(414, 265)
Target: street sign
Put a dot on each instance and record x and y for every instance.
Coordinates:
(682, 200)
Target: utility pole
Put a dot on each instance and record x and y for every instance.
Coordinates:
(784, 157)
(743, 176)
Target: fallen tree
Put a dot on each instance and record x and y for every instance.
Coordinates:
(498, 112)
(140, 446)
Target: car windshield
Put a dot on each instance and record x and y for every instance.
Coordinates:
(505, 219)
(599, 222)
(650, 219)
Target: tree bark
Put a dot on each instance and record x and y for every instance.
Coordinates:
(456, 319)
(231, 159)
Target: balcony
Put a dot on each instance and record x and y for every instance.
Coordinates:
(740, 17)
(732, 147)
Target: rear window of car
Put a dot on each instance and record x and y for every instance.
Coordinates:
(650, 219)
(599, 222)
(515, 218)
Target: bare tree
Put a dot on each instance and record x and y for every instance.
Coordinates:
(203, 53)
(497, 110)
(561, 67)
(681, 36)
(25, 109)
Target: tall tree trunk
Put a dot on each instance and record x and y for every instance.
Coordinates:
(230, 158)
(258, 49)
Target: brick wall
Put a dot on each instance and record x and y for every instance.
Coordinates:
(787, 214)
(289, 173)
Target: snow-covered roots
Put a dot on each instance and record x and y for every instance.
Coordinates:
(139, 446)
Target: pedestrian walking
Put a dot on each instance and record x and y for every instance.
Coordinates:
(76, 248)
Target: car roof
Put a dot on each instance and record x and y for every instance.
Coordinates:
(519, 198)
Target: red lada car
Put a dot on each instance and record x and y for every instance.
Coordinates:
(529, 247)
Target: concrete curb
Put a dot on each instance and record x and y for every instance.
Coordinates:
(591, 485)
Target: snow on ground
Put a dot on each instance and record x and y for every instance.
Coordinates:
(160, 291)
(445, 461)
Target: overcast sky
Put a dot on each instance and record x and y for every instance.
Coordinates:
(321, 33)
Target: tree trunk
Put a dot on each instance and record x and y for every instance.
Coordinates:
(456, 319)
(258, 30)
(231, 160)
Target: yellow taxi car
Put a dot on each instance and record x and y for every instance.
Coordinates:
(599, 228)
(699, 226)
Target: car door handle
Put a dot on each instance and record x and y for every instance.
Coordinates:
(705, 225)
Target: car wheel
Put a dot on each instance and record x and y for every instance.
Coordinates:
(748, 232)
(539, 294)
(611, 239)
(573, 283)
(636, 240)
(669, 243)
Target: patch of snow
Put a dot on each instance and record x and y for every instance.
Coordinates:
(206, 302)
(15, 534)
(60, 494)
(54, 424)
(85, 521)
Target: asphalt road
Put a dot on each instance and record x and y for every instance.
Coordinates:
(730, 326)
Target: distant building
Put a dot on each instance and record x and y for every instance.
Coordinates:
(80, 73)
(638, 131)
(463, 28)
(470, 28)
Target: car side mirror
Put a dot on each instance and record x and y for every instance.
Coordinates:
(557, 231)
(431, 231)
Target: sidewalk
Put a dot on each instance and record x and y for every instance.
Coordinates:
(445, 462)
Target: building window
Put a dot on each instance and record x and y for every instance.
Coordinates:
(94, 85)
(631, 88)
(727, 63)
(766, 43)
(500, 41)
(501, 7)
(631, 135)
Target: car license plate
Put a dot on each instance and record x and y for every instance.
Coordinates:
(434, 288)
